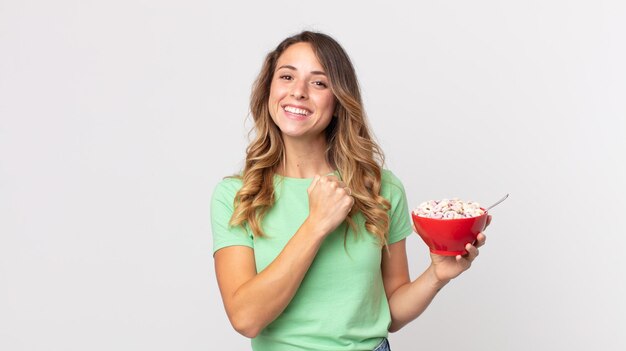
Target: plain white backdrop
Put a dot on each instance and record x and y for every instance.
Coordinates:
(118, 118)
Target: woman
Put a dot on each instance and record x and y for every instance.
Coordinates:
(309, 241)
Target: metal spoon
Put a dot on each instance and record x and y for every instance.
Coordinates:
(497, 202)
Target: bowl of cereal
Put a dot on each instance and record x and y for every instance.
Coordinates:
(446, 226)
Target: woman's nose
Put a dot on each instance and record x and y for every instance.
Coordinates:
(299, 90)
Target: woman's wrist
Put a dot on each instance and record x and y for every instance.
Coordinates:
(314, 228)
(434, 281)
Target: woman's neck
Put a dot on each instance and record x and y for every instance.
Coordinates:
(304, 159)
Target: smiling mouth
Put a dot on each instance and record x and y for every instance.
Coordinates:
(296, 111)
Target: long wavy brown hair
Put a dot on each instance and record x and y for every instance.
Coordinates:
(350, 147)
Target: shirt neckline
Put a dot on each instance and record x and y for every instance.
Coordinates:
(294, 179)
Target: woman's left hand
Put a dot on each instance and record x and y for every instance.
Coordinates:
(446, 268)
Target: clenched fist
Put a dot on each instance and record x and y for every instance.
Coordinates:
(330, 201)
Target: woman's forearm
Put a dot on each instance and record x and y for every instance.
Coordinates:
(260, 300)
(411, 299)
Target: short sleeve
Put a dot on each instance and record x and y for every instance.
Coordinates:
(399, 216)
(222, 208)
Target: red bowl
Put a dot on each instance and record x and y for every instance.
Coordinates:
(448, 237)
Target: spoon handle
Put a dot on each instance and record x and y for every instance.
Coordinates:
(497, 202)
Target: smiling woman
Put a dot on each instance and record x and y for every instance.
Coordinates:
(309, 240)
(301, 102)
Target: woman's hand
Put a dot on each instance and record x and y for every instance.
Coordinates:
(447, 268)
(330, 201)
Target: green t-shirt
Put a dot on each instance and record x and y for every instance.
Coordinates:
(341, 303)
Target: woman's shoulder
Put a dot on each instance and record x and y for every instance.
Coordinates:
(389, 179)
(390, 185)
(228, 186)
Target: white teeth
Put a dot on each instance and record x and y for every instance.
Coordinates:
(296, 110)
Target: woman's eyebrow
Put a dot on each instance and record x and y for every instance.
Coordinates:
(295, 69)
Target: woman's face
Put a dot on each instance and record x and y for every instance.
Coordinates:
(301, 102)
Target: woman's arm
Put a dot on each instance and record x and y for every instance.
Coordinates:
(252, 300)
(407, 300)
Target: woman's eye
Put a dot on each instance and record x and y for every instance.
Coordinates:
(320, 83)
(285, 77)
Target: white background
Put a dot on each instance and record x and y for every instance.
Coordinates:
(117, 119)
